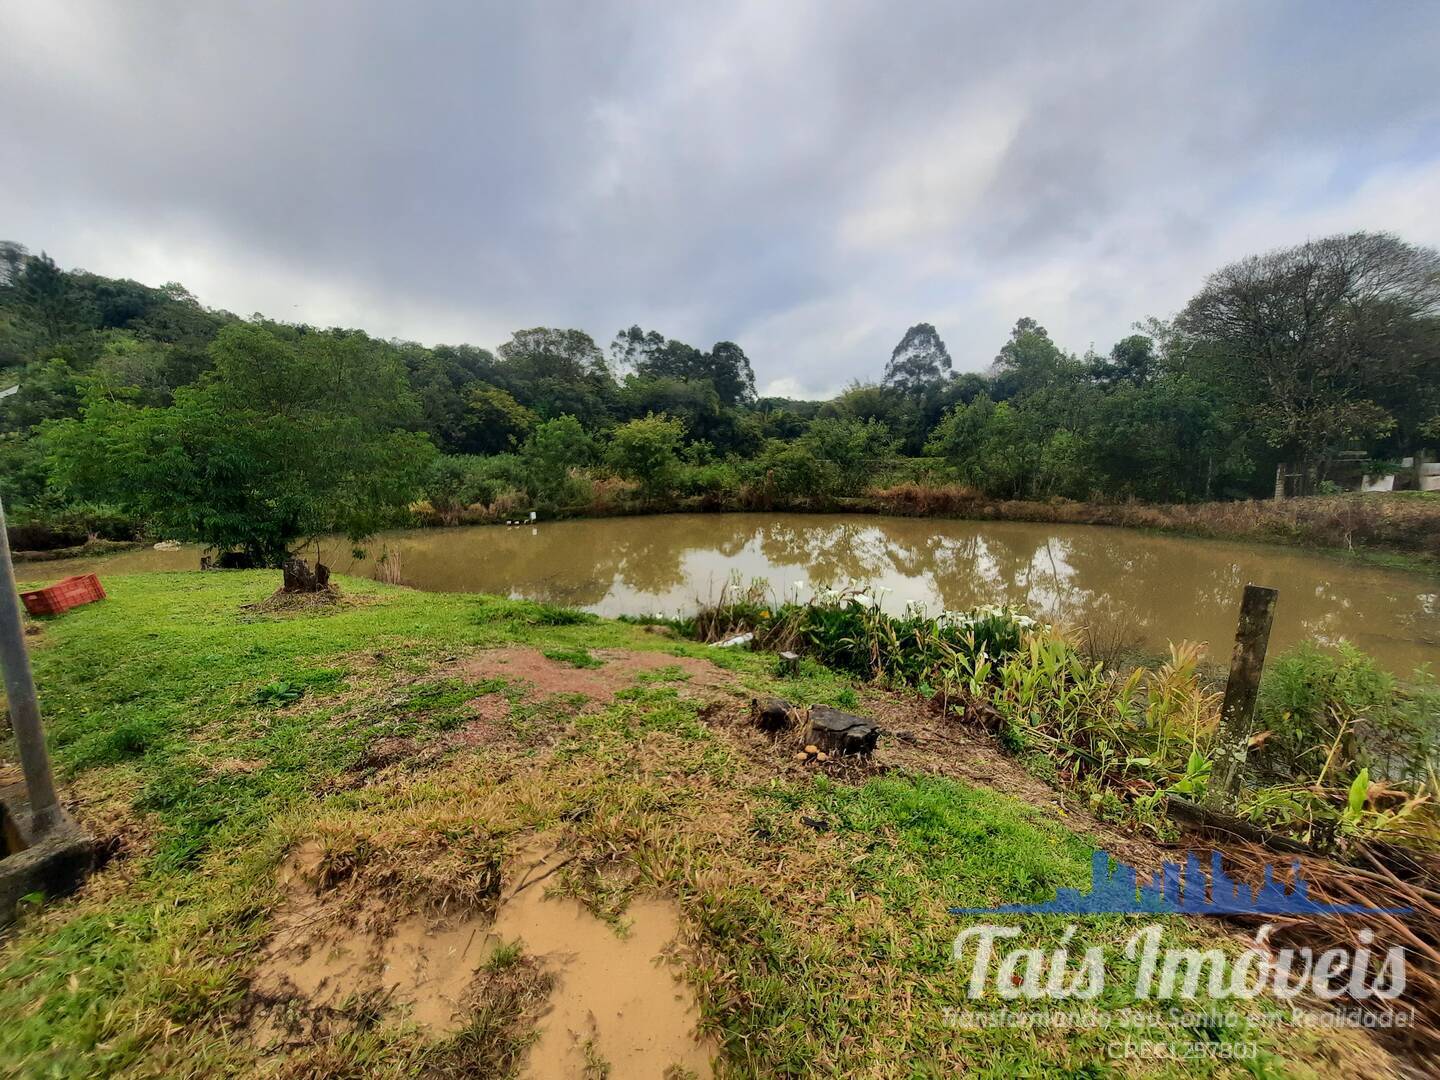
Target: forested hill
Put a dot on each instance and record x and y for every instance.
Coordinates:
(1297, 355)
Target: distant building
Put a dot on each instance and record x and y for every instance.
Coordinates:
(1354, 470)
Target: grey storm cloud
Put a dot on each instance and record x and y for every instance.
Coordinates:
(807, 179)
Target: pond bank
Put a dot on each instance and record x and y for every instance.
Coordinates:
(1134, 587)
(1400, 530)
(89, 550)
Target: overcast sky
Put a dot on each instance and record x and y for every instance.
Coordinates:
(805, 179)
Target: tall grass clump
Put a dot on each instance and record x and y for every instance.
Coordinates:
(1343, 752)
(389, 567)
(1319, 706)
(921, 499)
(848, 630)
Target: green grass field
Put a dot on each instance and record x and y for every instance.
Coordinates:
(204, 740)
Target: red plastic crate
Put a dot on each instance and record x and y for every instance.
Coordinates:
(64, 595)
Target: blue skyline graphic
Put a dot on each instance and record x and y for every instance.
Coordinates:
(1173, 890)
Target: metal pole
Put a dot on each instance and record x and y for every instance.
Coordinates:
(24, 708)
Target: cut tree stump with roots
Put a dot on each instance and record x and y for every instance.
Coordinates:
(839, 733)
(301, 578)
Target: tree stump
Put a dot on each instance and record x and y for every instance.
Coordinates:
(773, 714)
(300, 578)
(839, 733)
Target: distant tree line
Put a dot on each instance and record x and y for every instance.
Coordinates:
(140, 404)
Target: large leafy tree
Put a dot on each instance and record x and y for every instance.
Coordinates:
(556, 373)
(651, 355)
(986, 446)
(696, 403)
(728, 369)
(444, 380)
(919, 361)
(1316, 336)
(293, 434)
(495, 423)
(1132, 360)
(1031, 362)
(48, 296)
(150, 367)
(856, 449)
(633, 349)
(907, 416)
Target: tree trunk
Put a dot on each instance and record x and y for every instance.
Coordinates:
(1237, 712)
(299, 577)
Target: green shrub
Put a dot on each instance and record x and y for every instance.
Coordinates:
(456, 481)
(854, 451)
(1340, 708)
(716, 480)
(506, 472)
(788, 472)
(552, 458)
(648, 452)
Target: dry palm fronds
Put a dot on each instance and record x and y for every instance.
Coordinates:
(1377, 885)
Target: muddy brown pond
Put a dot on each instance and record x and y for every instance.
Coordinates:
(1149, 587)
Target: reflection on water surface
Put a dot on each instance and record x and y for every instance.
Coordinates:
(1165, 587)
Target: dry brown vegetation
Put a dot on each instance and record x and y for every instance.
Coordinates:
(1408, 523)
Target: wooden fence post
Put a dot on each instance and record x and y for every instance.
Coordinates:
(1257, 612)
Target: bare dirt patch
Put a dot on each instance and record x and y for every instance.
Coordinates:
(383, 753)
(490, 726)
(281, 604)
(491, 708)
(918, 737)
(619, 670)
